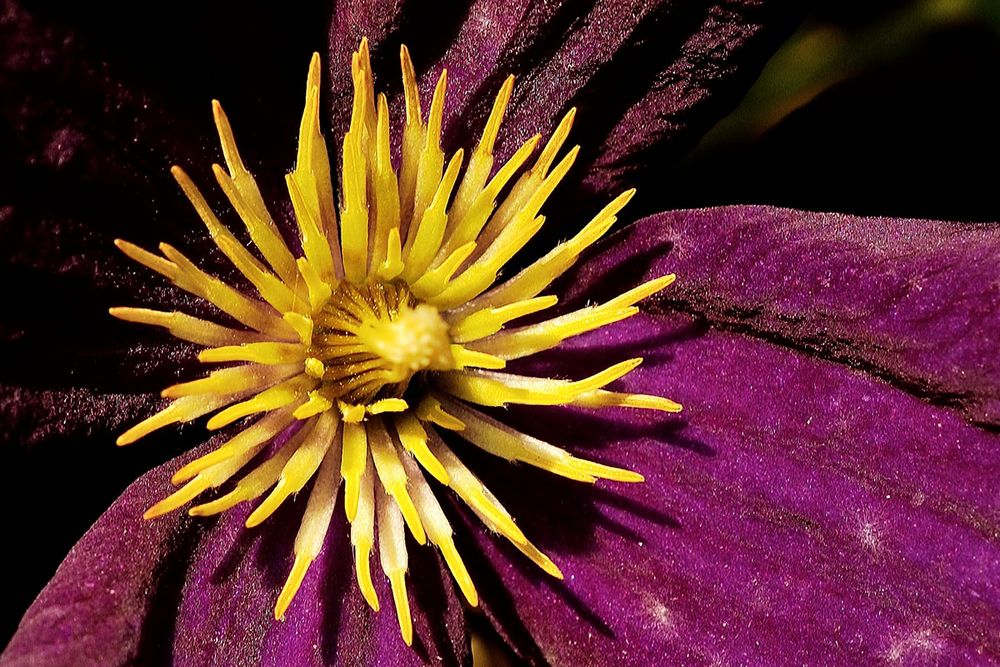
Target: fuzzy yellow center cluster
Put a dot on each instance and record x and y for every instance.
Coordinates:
(415, 340)
(365, 359)
(367, 342)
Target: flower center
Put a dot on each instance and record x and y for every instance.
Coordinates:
(372, 339)
(401, 281)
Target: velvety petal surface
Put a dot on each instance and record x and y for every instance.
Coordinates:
(915, 302)
(97, 103)
(187, 591)
(649, 78)
(95, 109)
(801, 510)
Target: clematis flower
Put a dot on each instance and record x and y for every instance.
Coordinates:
(831, 496)
(385, 334)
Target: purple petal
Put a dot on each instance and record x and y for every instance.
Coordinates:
(802, 513)
(202, 592)
(649, 78)
(89, 145)
(915, 302)
(97, 103)
(800, 510)
(94, 610)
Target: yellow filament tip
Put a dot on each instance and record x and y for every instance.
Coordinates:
(397, 580)
(409, 512)
(461, 574)
(362, 566)
(292, 584)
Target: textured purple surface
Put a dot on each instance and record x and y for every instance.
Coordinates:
(829, 495)
(649, 78)
(99, 100)
(916, 302)
(95, 110)
(96, 608)
(802, 511)
(189, 592)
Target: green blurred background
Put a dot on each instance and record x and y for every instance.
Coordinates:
(881, 107)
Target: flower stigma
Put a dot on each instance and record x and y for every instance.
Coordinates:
(365, 359)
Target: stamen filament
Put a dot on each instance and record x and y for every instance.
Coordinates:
(312, 531)
(363, 534)
(380, 329)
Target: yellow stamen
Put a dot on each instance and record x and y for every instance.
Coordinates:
(270, 399)
(242, 191)
(413, 437)
(315, 404)
(430, 410)
(186, 327)
(299, 468)
(385, 331)
(292, 584)
(539, 275)
(179, 270)
(363, 534)
(393, 477)
(481, 161)
(319, 290)
(468, 226)
(472, 491)
(397, 579)
(505, 442)
(311, 188)
(432, 282)
(438, 529)
(259, 353)
(392, 553)
(232, 380)
(499, 389)
(387, 405)
(392, 266)
(431, 162)
(517, 343)
(355, 211)
(605, 399)
(488, 321)
(314, 368)
(312, 530)
(355, 454)
(537, 183)
(303, 326)
(259, 433)
(183, 409)
(484, 271)
(424, 242)
(386, 191)
(268, 285)
(351, 414)
(314, 244)
(259, 480)
(209, 478)
(250, 312)
(413, 138)
(466, 358)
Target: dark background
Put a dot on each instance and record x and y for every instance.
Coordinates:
(888, 107)
(874, 107)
